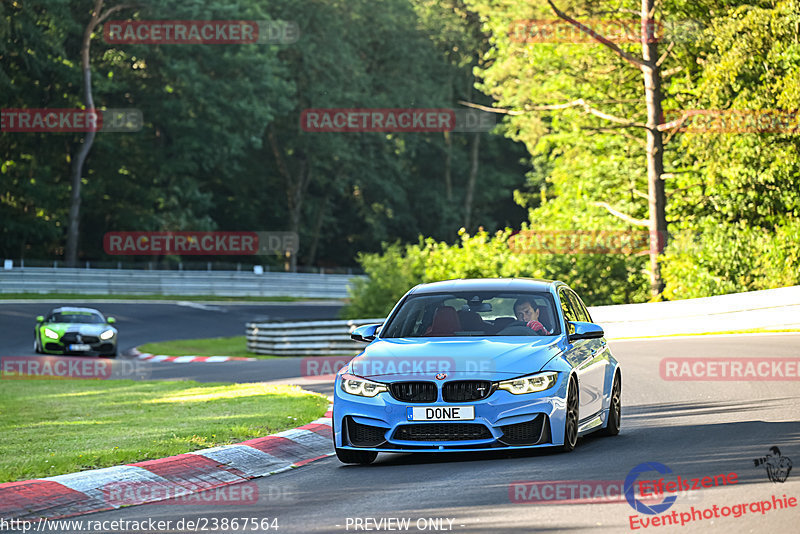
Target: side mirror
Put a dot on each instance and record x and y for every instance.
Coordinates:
(585, 330)
(110, 320)
(365, 333)
(40, 318)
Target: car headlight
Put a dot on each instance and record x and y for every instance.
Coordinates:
(361, 386)
(108, 334)
(49, 333)
(529, 384)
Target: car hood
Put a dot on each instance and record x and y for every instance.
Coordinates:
(422, 358)
(81, 328)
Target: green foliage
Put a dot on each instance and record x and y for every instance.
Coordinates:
(599, 278)
(203, 160)
(732, 258)
(216, 116)
(733, 198)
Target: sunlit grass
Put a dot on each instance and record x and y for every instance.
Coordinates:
(54, 427)
(227, 392)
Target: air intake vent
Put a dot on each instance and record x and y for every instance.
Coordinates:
(442, 432)
(466, 390)
(414, 391)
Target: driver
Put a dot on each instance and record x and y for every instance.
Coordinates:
(527, 310)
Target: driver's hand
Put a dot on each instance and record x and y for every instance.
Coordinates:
(536, 326)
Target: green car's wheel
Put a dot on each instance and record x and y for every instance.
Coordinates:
(36, 348)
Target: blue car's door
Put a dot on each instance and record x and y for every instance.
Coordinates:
(587, 356)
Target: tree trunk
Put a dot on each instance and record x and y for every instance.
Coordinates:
(448, 173)
(657, 221)
(73, 222)
(296, 196)
(473, 177)
(655, 149)
(296, 186)
(312, 249)
(448, 154)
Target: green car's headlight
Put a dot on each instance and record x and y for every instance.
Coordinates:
(108, 334)
(49, 333)
(361, 386)
(529, 384)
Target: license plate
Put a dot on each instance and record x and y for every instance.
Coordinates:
(441, 413)
(80, 348)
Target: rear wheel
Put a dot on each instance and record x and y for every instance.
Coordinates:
(571, 418)
(614, 409)
(347, 456)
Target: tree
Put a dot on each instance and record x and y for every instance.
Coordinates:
(73, 232)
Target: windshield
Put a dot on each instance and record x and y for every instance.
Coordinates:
(76, 317)
(468, 314)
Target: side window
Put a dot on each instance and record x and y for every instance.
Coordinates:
(566, 307)
(580, 310)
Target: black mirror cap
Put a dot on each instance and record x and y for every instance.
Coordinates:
(584, 330)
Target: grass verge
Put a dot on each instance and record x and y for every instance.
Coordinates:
(52, 427)
(212, 346)
(204, 298)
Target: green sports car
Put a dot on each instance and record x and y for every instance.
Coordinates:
(75, 331)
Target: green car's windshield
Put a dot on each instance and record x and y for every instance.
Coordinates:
(75, 317)
(469, 314)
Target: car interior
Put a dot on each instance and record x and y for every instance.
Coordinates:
(468, 315)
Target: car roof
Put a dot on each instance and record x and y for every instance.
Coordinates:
(487, 284)
(68, 309)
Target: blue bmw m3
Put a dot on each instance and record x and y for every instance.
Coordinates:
(477, 365)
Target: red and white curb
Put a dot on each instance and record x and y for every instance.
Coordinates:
(83, 492)
(186, 359)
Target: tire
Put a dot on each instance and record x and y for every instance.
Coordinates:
(571, 418)
(36, 348)
(346, 456)
(111, 354)
(614, 409)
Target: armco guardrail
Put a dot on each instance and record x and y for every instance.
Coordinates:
(305, 338)
(136, 282)
(769, 309)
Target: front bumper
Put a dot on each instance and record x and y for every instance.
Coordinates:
(64, 343)
(502, 421)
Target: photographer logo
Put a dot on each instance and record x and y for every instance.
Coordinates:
(778, 467)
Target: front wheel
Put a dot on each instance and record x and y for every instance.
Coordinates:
(346, 456)
(571, 418)
(36, 348)
(614, 409)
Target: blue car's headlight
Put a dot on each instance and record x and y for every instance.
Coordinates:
(361, 386)
(49, 333)
(529, 384)
(108, 334)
